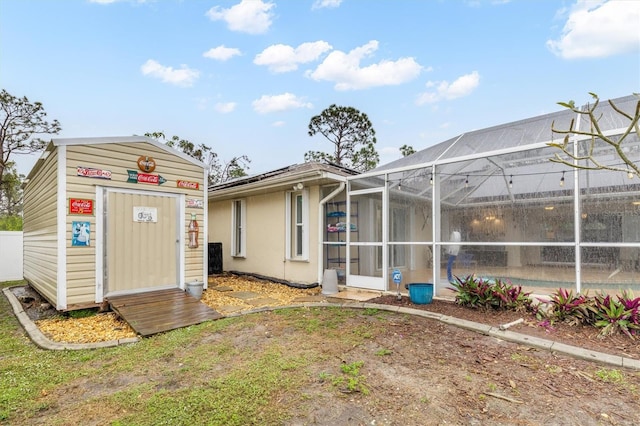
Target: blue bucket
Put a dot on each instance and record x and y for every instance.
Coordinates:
(421, 293)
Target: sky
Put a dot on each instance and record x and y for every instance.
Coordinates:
(245, 77)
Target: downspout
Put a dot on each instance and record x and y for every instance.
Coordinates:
(335, 192)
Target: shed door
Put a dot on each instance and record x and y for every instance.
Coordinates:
(142, 240)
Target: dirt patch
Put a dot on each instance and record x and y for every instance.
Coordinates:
(586, 337)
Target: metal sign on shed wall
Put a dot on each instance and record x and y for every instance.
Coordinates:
(145, 214)
(187, 184)
(134, 177)
(93, 173)
(80, 206)
(194, 203)
(146, 163)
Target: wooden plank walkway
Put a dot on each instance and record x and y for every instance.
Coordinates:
(163, 310)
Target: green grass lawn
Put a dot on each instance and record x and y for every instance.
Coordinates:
(213, 373)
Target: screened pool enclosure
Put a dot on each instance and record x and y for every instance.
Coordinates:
(518, 215)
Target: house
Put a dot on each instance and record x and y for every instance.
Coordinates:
(274, 224)
(110, 216)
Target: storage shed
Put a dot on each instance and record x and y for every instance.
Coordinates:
(110, 216)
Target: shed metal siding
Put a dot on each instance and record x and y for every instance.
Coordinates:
(40, 229)
(118, 158)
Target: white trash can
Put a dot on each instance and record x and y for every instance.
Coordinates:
(330, 282)
(194, 288)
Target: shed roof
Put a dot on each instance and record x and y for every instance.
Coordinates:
(109, 140)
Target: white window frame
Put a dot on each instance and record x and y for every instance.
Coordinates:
(292, 227)
(238, 228)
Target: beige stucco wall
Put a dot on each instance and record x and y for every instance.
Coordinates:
(266, 237)
(40, 242)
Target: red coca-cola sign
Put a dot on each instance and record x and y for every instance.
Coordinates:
(187, 184)
(80, 206)
(135, 177)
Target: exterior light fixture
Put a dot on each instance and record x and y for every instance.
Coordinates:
(431, 179)
(511, 181)
(562, 180)
(466, 182)
(298, 186)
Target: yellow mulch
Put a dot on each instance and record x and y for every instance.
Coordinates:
(284, 295)
(96, 328)
(107, 326)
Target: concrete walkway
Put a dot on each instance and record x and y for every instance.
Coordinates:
(357, 300)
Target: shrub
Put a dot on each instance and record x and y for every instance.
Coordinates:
(573, 309)
(512, 297)
(614, 316)
(632, 304)
(475, 292)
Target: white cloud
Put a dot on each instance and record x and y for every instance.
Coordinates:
(462, 86)
(320, 4)
(599, 28)
(183, 77)
(248, 16)
(283, 58)
(344, 69)
(275, 103)
(221, 53)
(225, 107)
(278, 124)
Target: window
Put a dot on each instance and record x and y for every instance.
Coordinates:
(238, 228)
(298, 225)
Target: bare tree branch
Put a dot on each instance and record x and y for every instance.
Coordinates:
(589, 160)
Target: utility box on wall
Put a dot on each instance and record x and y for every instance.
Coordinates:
(215, 258)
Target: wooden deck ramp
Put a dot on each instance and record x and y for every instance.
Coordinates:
(163, 310)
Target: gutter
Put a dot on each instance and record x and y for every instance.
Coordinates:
(274, 182)
(335, 192)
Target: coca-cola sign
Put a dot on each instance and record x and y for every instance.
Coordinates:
(80, 206)
(146, 163)
(93, 173)
(135, 177)
(187, 184)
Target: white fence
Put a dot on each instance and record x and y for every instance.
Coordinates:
(10, 255)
